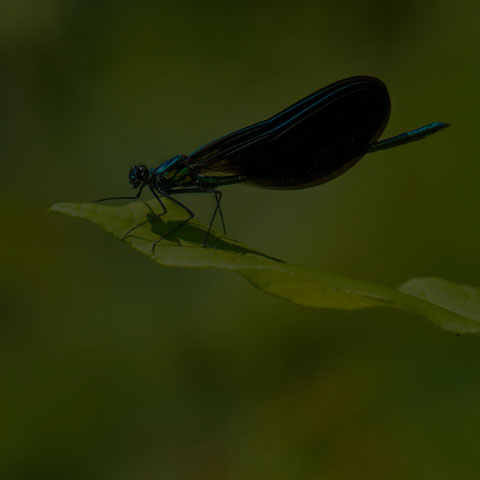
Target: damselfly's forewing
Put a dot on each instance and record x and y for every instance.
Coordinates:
(311, 142)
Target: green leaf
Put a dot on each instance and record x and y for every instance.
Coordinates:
(453, 307)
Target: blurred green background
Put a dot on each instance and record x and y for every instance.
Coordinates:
(114, 368)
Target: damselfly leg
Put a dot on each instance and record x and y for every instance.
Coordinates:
(149, 220)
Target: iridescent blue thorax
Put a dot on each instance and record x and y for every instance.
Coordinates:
(175, 172)
(178, 172)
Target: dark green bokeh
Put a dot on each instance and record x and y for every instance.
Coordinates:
(115, 368)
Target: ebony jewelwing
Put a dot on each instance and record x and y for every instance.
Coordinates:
(309, 143)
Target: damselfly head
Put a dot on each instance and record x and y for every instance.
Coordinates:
(138, 175)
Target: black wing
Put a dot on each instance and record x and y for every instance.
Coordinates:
(311, 142)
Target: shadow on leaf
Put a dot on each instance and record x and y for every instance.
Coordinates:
(191, 233)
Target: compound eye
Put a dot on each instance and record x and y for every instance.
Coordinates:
(142, 172)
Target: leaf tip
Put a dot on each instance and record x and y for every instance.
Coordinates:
(63, 208)
(56, 208)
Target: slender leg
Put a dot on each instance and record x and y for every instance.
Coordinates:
(218, 208)
(122, 198)
(127, 233)
(176, 227)
(218, 197)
